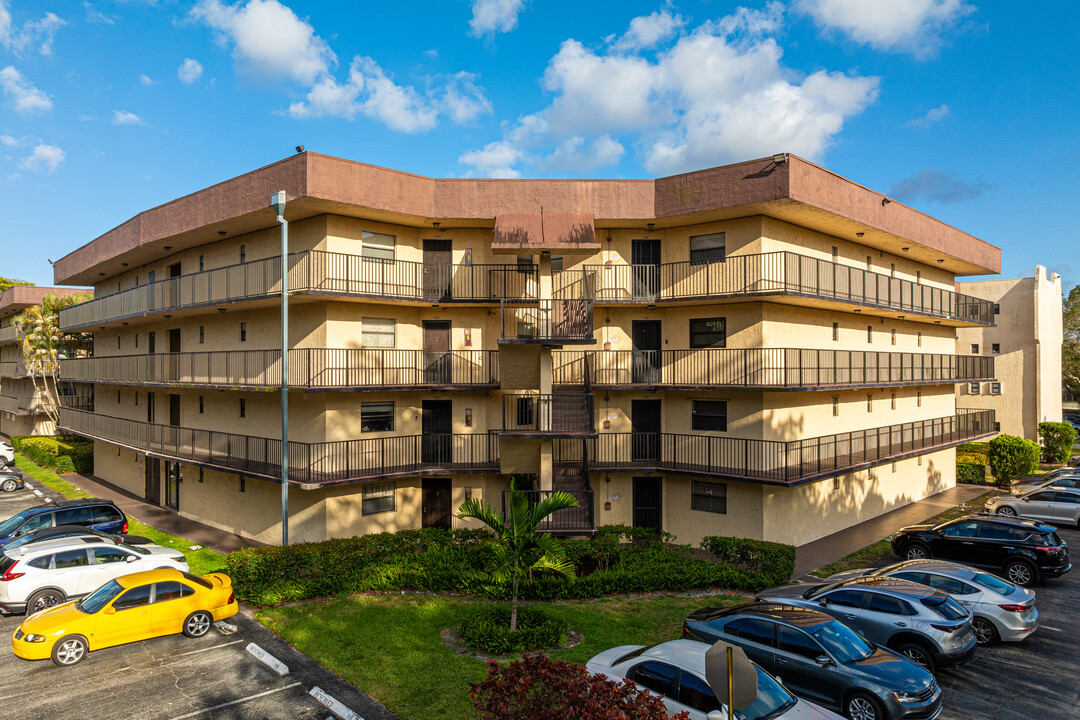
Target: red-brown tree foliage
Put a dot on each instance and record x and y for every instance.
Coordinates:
(539, 688)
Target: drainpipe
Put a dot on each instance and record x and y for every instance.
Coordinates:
(277, 201)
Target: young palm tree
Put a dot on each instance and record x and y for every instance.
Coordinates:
(41, 341)
(517, 539)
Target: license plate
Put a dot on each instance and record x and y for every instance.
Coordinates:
(967, 638)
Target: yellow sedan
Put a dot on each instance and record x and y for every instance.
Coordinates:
(130, 608)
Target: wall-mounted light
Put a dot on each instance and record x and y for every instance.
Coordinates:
(168, 248)
(941, 261)
(299, 148)
(780, 158)
(221, 233)
(885, 201)
(937, 322)
(436, 226)
(168, 317)
(899, 317)
(859, 234)
(221, 310)
(905, 249)
(651, 226)
(101, 274)
(124, 324)
(857, 311)
(124, 264)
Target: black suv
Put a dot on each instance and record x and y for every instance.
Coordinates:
(1023, 551)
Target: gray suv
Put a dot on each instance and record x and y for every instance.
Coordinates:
(926, 625)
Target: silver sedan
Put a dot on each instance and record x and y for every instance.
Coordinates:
(999, 609)
(1061, 507)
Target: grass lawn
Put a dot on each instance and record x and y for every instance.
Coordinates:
(201, 561)
(390, 647)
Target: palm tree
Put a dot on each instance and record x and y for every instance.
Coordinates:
(41, 342)
(517, 539)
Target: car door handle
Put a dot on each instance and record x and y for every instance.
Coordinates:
(968, 543)
(850, 617)
(781, 661)
(900, 624)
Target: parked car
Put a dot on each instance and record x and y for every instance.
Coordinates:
(126, 609)
(675, 670)
(7, 453)
(1056, 480)
(927, 626)
(999, 609)
(1021, 551)
(36, 577)
(1061, 507)
(70, 531)
(822, 660)
(93, 513)
(11, 479)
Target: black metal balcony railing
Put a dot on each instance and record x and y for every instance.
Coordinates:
(315, 272)
(9, 334)
(309, 463)
(562, 414)
(764, 368)
(10, 369)
(765, 273)
(547, 321)
(775, 462)
(568, 520)
(309, 368)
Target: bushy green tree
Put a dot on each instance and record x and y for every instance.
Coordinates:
(6, 283)
(1057, 440)
(1011, 457)
(1070, 347)
(42, 343)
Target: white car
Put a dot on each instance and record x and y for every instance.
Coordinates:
(7, 453)
(675, 671)
(36, 577)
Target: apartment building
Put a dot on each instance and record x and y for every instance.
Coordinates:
(24, 401)
(764, 349)
(1025, 342)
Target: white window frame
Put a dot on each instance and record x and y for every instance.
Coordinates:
(374, 332)
(376, 495)
(378, 247)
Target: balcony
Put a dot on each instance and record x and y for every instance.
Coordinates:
(8, 334)
(545, 416)
(313, 272)
(547, 322)
(774, 462)
(311, 465)
(12, 369)
(764, 368)
(568, 521)
(36, 406)
(309, 369)
(761, 275)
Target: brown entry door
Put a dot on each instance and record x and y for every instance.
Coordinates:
(437, 270)
(435, 428)
(645, 429)
(152, 491)
(646, 337)
(172, 485)
(172, 364)
(436, 503)
(647, 502)
(437, 352)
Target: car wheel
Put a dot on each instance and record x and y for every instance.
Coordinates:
(860, 706)
(69, 650)
(1020, 572)
(916, 551)
(198, 624)
(984, 630)
(1006, 510)
(43, 600)
(9, 485)
(918, 655)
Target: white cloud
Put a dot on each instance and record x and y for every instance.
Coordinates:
(648, 30)
(715, 94)
(934, 115)
(8, 141)
(123, 117)
(95, 16)
(24, 97)
(45, 158)
(35, 35)
(495, 159)
(492, 16)
(268, 39)
(189, 71)
(911, 26)
(463, 100)
(146, 80)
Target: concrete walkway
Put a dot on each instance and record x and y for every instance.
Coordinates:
(161, 518)
(831, 548)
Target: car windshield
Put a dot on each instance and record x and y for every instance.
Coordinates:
(843, 643)
(134, 548)
(772, 699)
(99, 598)
(12, 523)
(1052, 539)
(994, 583)
(945, 606)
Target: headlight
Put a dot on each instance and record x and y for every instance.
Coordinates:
(34, 638)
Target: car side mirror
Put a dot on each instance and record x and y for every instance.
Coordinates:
(823, 660)
(130, 559)
(109, 610)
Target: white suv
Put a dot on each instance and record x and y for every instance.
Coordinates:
(36, 577)
(7, 453)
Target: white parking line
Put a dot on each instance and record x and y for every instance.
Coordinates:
(215, 647)
(234, 702)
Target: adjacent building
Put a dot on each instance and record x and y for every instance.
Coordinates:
(764, 349)
(25, 397)
(1025, 342)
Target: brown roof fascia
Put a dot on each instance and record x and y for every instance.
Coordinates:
(19, 297)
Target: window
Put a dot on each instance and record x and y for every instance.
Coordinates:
(200, 404)
(918, 398)
(243, 407)
(836, 332)
(973, 388)
(752, 629)
(133, 598)
(243, 332)
(376, 416)
(869, 333)
(117, 397)
(171, 590)
(708, 496)
(110, 555)
(104, 514)
(377, 332)
(949, 585)
(708, 333)
(242, 484)
(918, 277)
(892, 269)
(696, 693)
(136, 340)
(377, 247)
(995, 348)
(706, 248)
(836, 406)
(974, 348)
(961, 529)
(709, 415)
(525, 264)
(893, 336)
(869, 264)
(892, 401)
(243, 253)
(918, 460)
(997, 309)
(799, 643)
(202, 334)
(920, 339)
(41, 563)
(70, 559)
(885, 604)
(997, 427)
(894, 466)
(117, 342)
(658, 677)
(200, 474)
(835, 254)
(202, 264)
(995, 388)
(377, 499)
(74, 516)
(556, 263)
(869, 402)
(845, 598)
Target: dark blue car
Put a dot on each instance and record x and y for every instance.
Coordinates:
(93, 513)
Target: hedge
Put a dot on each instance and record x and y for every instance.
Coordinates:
(774, 561)
(63, 454)
(1011, 457)
(970, 473)
(452, 561)
(1057, 440)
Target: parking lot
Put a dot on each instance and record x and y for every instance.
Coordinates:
(170, 678)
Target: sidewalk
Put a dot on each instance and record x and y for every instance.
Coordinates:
(159, 517)
(831, 548)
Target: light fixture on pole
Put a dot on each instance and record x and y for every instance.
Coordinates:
(277, 201)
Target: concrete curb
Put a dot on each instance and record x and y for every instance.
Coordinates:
(267, 659)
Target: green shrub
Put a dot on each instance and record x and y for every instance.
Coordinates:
(970, 473)
(63, 454)
(1011, 457)
(974, 447)
(973, 458)
(774, 561)
(488, 630)
(1057, 440)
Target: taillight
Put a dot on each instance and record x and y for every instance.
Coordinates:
(686, 628)
(8, 575)
(946, 628)
(124, 531)
(231, 600)
(1049, 549)
(1013, 608)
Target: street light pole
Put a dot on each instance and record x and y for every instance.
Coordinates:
(277, 201)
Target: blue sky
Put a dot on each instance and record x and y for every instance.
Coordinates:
(966, 110)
